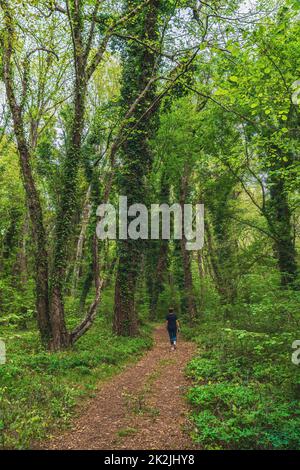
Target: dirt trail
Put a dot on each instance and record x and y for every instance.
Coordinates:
(141, 408)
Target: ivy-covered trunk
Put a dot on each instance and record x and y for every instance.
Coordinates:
(280, 224)
(67, 205)
(157, 257)
(138, 95)
(158, 277)
(189, 299)
(220, 239)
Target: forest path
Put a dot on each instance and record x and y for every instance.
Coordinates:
(141, 408)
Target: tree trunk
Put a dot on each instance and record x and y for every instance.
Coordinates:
(135, 154)
(125, 318)
(87, 322)
(189, 294)
(277, 209)
(159, 275)
(67, 204)
(22, 256)
(82, 236)
(281, 220)
(188, 282)
(222, 244)
(158, 259)
(60, 335)
(200, 262)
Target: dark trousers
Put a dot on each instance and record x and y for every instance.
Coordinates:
(173, 334)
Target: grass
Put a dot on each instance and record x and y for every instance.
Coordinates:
(127, 432)
(40, 392)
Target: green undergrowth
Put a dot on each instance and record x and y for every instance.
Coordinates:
(246, 390)
(40, 392)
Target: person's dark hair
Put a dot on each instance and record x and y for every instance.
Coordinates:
(171, 309)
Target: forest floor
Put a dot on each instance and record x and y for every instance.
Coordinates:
(141, 408)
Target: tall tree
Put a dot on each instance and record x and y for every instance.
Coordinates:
(138, 90)
(33, 201)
